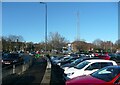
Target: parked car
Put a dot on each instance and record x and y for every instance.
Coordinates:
(116, 57)
(87, 67)
(106, 57)
(77, 61)
(68, 60)
(109, 75)
(32, 54)
(72, 64)
(11, 58)
(112, 55)
(56, 59)
(64, 60)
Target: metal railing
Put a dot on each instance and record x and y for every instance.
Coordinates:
(18, 68)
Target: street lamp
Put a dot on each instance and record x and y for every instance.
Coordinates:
(45, 25)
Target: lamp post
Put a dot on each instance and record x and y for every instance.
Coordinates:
(45, 25)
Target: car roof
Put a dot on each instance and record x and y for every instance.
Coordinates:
(99, 60)
(115, 66)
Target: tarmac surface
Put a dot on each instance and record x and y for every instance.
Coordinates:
(33, 76)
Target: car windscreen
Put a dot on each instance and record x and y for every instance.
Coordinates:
(77, 61)
(82, 64)
(12, 56)
(106, 74)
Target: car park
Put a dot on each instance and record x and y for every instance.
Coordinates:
(87, 67)
(109, 75)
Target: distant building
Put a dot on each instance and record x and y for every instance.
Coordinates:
(67, 49)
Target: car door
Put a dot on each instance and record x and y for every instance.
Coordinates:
(92, 68)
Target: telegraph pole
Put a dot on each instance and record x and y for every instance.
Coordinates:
(78, 26)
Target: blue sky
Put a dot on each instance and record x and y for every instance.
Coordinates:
(98, 20)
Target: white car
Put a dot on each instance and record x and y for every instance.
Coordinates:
(87, 67)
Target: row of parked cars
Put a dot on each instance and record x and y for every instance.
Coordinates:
(87, 70)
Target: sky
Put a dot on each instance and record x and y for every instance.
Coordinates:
(97, 20)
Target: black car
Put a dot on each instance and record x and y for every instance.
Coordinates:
(11, 58)
(116, 57)
(68, 61)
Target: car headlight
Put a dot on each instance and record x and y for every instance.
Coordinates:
(59, 64)
(1, 60)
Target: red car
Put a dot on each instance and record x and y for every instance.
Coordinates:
(109, 75)
(106, 57)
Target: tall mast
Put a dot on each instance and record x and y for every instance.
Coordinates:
(78, 27)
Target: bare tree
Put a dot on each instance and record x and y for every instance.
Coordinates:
(12, 42)
(15, 38)
(97, 42)
(56, 41)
